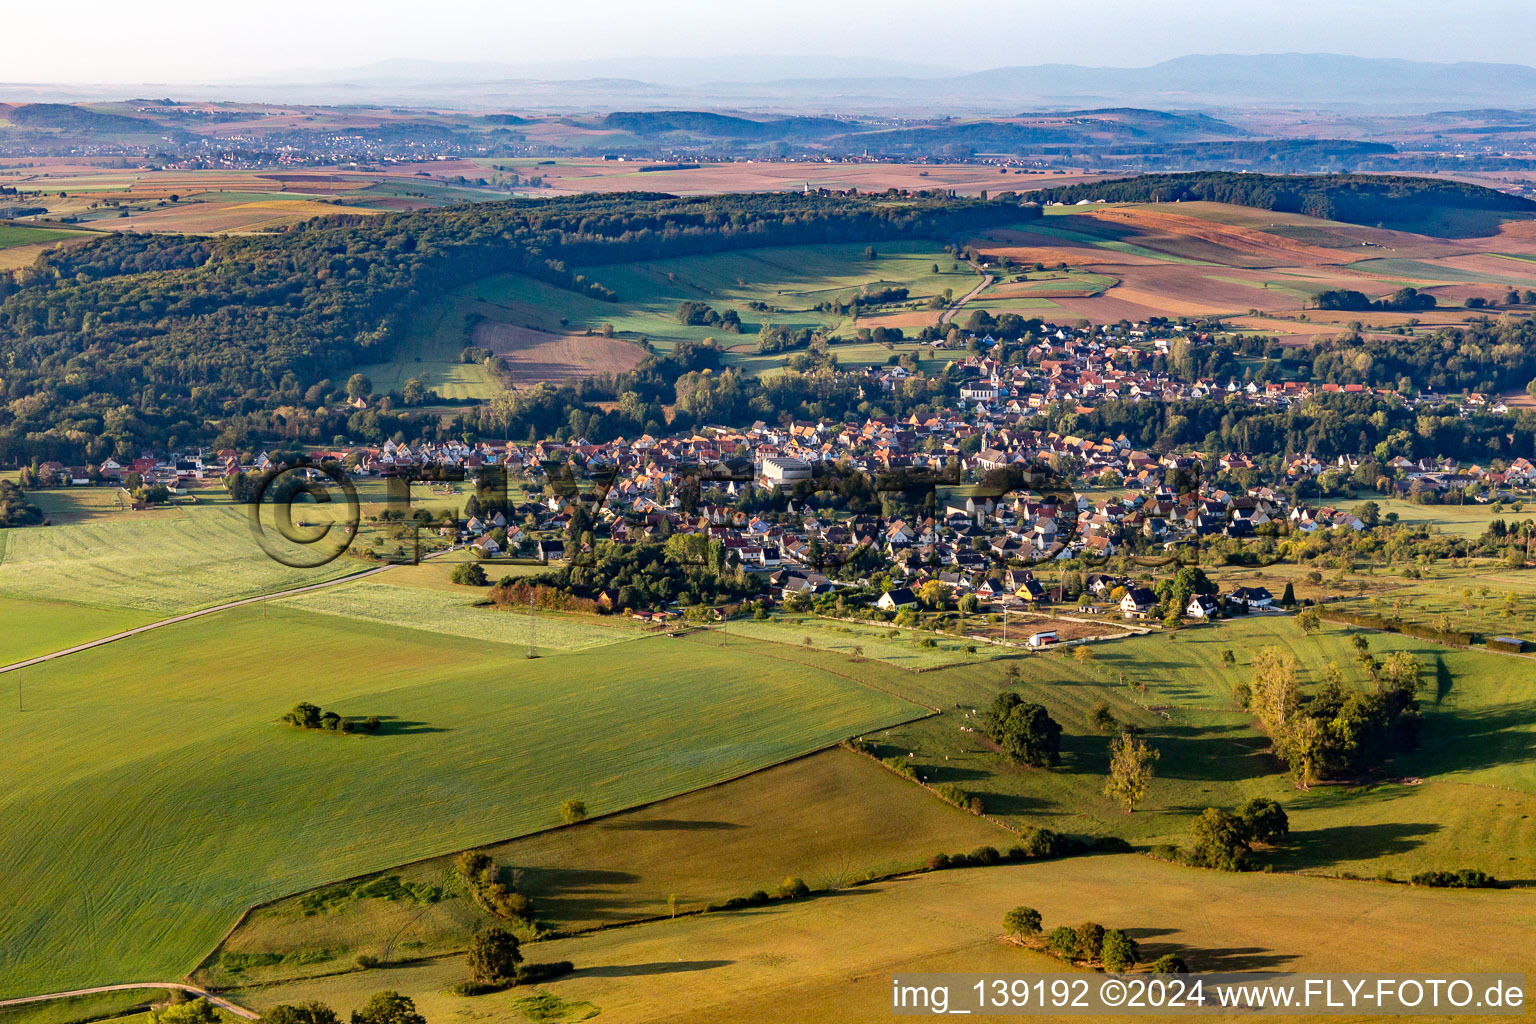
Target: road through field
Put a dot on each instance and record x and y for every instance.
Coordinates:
(949, 314)
(223, 1004)
(125, 634)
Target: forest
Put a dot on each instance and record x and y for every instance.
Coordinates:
(128, 340)
(1351, 198)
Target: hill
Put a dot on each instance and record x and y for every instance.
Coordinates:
(1428, 205)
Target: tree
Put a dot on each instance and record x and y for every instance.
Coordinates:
(1025, 731)
(1264, 820)
(573, 811)
(494, 954)
(1022, 921)
(304, 715)
(388, 1007)
(1083, 653)
(469, 574)
(1090, 941)
(1308, 620)
(1130, 771)
(1288, 599)
(1118, 951)
(358, 386)
(934, 594)
(1220, 840)
(1102, 718)
(300, 1013)
(792, 888)
(413, 391)
(197, 1011)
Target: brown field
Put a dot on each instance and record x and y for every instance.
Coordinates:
(217, 217)
(1260, 261)
(541, 356)
(578, 176)
(832, 957)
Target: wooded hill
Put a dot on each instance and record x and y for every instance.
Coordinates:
(1388, 200)
(132, 340)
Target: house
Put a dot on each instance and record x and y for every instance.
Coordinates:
(1202, 606)
(1137, 602)
(1044, 638)
(896, 598)
(1251, 597)
(551, 550)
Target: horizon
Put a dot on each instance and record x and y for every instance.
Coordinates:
(190, 46)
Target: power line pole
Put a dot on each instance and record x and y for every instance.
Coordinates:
(533, 650)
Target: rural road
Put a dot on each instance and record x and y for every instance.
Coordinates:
(15, 666)
(223, 1004)
(949, 314)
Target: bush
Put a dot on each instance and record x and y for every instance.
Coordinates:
(1169, 964)
(938, 862)
(1062, 942)
(469, 574)
(1466, 878)
(1118, 951)
(532, 974)
(1264, 820)
(792, 888)
(1040, 843)
(1089, 939)
(985, 856)
(1220, 841)
(494, 954)
(367, 961)
(475, 988)
(1101, 718)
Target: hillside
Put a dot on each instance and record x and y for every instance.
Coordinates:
(1428, 205)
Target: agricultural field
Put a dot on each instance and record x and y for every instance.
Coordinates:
(1467, 799)
(831, 819)
(898, 647)
(550, 333)
(833, 955)
(162, 561)
(1256, 268)
(453, 613)
(218, 806)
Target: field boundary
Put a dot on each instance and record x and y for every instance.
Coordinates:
(212, 954)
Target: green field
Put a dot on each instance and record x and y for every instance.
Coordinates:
(1476, 806)
(452, 613)
(831, 958)
(163, 562)
(874, 642)
(193, 802)
(789, 280)
(12, 235)
(34, 627)
(1426, 271)
(830, 819)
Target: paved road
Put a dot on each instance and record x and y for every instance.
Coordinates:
(201, 612)
(221, 1003)
(949, 314)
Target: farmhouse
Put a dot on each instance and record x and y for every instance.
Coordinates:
(1138, 602)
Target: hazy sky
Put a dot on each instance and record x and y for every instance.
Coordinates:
(211, 40)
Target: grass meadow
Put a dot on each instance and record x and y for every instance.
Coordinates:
(161, 562)
(831, 819)
(1475, 805)
(195, 803)
(454, 613)
(789, 280)
(832, 957)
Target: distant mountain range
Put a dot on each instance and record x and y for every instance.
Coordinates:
(871, 85)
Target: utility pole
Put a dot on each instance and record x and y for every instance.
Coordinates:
(533, 651)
